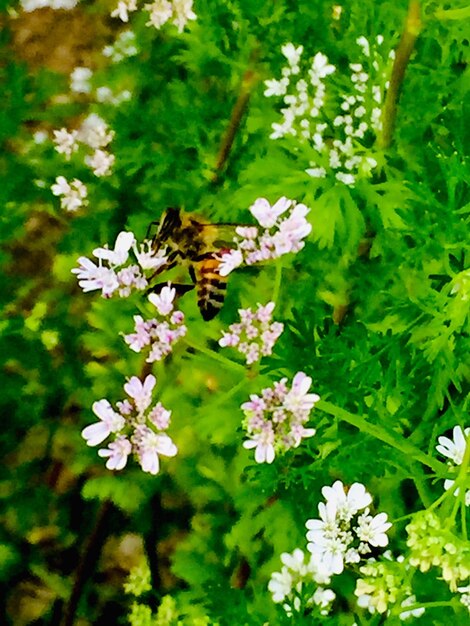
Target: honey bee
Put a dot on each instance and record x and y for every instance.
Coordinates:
(198, 246)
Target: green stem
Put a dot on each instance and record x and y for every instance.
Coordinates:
(423, 605)
(277, 281)
(402, 57)
(422, 490)
(216, 356)
(452, 14)
(386, 436)
(226, 396)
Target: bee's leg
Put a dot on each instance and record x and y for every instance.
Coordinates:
(171, 262)
(180, 288)
(149, 228)
(192, 273)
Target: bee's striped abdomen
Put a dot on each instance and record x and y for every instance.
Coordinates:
(211, 287)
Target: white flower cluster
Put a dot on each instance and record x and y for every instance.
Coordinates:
(454, 450)
(110, 276)
(73, 194)
(275, 420)
(300, 585)
(80, 82)
(158, 334)
(255, 335)
(338, 125)
(106, 94)
(178, 12)
(32, 5)
(278, 235)
(137, 428)
(125, 46)
(344, 534)
(93, 133)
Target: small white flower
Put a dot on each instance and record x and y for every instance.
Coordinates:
(110, 422)
(61, 186)
(323, 598)
(280, 584)
(297, 399)
(80, 80)
(150, 445)
(263, 444)
(276, 87)
(321, 67)
(92, 277)
(73, 194)
(120, 254)
(94, 132)
(140, 392)
(40, 136)
(116, 453)
(347, 504)
(454, 449)
(147, 257)
(104, 94)
(373, 529)
(164, 300)
(267, 215)
(66, 143)
(347, 179)
(229, 261)
(292, 53)
(101, 162)
(316, 172)
(123, 9)
(326, 526)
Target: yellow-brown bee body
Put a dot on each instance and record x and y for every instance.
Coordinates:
(196, 244)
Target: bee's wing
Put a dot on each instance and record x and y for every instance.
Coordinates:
(219, 236)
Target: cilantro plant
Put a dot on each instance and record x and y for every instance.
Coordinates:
(302, 457)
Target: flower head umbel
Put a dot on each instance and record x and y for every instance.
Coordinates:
(255, 335)
(275, 420)
(160, 333)
(125, 45)
(137, 426)
(383, 585)
(299, 584)
(346, 531)
(454, 450)
(432, 544)
(80, 80)
(283, 228)
(65, 142)
(178, 12)
(73, 194)
(111, 275)
(338, 123)
(94, 135)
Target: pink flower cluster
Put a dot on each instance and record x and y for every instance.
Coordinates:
(279, 234)
(275, 421)
(255, 335)
(137, 428)
(111, 275)
(158, 334)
